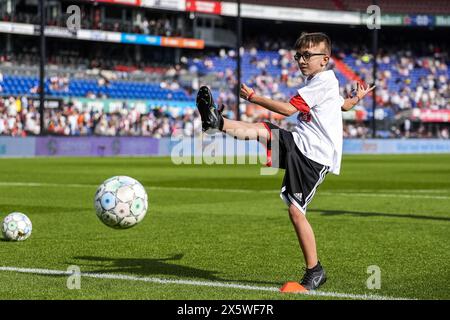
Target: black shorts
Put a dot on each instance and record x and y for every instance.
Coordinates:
(302, 176)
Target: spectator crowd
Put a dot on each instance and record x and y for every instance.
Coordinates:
(407, 80)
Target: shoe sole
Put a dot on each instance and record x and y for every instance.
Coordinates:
(205, 103)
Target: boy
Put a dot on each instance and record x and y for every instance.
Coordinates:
(311, 150)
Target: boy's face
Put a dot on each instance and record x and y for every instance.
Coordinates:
(312, 60)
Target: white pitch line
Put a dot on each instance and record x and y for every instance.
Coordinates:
(45, 184)
(396, 190)
(373, 193)
(196, 283)
(383, 195)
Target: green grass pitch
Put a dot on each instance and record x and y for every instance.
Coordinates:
(383, 210)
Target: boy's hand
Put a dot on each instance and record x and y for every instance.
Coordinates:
(362, 91)
(246, 92)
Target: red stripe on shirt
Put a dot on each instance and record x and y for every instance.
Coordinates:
(300, 104)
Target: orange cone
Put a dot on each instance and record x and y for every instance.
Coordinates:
(292, 287)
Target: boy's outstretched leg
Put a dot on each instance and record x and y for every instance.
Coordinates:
(246, 131)
(212, 120)
(315, 275)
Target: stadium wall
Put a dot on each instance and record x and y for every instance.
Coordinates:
(186, 147)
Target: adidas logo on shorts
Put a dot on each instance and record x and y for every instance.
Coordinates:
(298, 195)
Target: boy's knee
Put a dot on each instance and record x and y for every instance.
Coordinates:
(295, 213)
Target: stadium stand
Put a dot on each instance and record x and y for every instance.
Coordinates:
(387, 6)
(62, 87)
(18, 117)
(410, 77)
(399, 6)
(318, 4)
(406, 80)
(149, 26)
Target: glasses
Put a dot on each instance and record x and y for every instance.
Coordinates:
(307, 55)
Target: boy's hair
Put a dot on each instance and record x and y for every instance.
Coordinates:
(307, 40)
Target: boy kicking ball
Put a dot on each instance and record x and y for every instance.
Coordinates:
(310, 151)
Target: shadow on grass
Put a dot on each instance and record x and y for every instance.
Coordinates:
(158, 267)
(377, 214)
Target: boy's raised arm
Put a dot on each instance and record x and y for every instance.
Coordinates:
(283, 108)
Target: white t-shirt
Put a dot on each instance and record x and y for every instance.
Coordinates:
(319, 134)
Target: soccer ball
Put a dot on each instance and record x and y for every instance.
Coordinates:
(16, 227)
(121, 202)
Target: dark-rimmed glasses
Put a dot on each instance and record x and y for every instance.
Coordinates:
(307, 55)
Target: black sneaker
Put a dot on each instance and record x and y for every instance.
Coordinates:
(314, 277)
(211, 116)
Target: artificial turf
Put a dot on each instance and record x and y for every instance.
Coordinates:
(227, 224)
